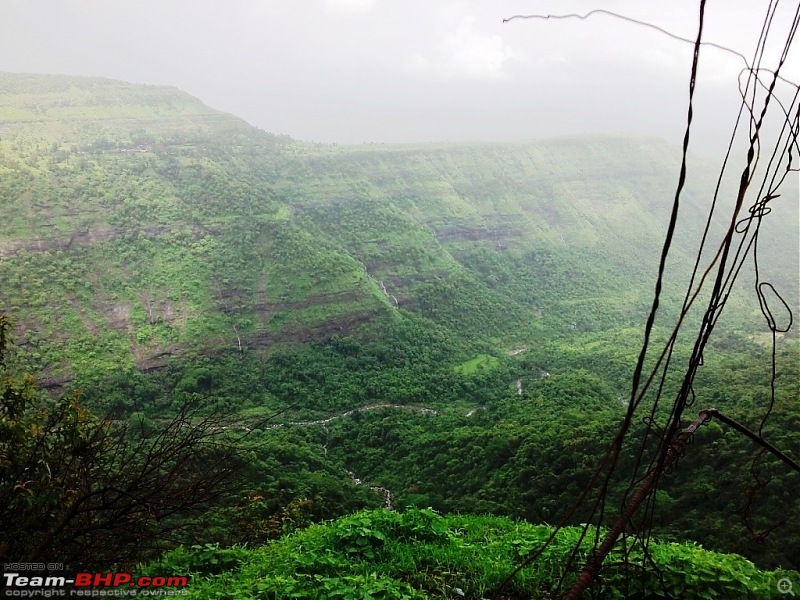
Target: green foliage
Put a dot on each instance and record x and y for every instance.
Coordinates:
(42, 446)
(530, 455)
(140, 224)
(157, 252)
(205, 559)
(74, 488)
(421, 554)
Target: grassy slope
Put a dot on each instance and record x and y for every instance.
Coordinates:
(141, 223)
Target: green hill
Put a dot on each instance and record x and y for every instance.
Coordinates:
(140, 224)
(154, 250)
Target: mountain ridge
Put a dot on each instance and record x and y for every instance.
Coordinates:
(174, 226)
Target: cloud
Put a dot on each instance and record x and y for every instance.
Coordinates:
(465, 53)
(351, 5)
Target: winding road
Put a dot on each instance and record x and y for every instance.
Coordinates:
(420, 409)
(385, 493)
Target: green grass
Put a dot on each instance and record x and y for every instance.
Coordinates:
(482, 362)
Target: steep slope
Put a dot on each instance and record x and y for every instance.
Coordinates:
(140, 224)
(139, 221)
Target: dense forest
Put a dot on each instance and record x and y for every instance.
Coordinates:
(444, 330)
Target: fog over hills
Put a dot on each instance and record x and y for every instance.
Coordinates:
(140, 222)
(352, 71)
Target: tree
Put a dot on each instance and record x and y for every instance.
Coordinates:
(94, 492)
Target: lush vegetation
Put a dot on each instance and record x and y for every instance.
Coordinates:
(75, 489)
(420, 554)
(456, 324)
(131, 241)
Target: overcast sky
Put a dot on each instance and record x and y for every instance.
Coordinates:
(352, 71)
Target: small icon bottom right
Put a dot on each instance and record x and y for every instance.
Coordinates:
(785, 586)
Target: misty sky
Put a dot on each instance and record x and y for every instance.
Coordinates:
(352, 71)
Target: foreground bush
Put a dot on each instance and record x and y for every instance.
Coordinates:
(419, 554)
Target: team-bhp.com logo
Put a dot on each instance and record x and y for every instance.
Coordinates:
(92, 585)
